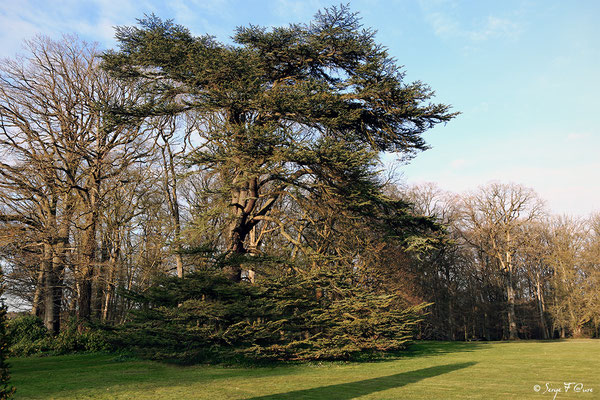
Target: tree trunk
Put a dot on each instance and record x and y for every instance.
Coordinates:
(53, 290)
(49, 282)
(84, 308)
(236, 248)
(513, 334)
(112, 266)
(541, 308)
(243, 202)
(170, 187)
(88, 259)
(451, 333)
(179, 261)
(38, 296)
(98, 282)
(51, 311)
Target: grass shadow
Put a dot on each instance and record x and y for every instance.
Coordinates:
(46, 377)
(434, 348)
(345, 391)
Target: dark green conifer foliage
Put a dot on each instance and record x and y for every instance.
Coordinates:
(207, 317)
(6, 391)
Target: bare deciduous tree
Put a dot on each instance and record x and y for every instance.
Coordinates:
(493, 218)
(60, 143)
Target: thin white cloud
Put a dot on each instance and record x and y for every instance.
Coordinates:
(444, 17)
(93, 20)
(443, 25)
(204, 17)
(578, 136)
(496, 27)
(458, 163)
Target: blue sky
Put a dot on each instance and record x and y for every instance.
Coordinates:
(524, 75)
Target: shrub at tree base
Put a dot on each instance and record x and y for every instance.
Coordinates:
(6, 390)
(206, 317)
(28, 335)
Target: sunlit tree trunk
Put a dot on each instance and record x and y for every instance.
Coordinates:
(539, 294)
(512, 318)
(37, 307)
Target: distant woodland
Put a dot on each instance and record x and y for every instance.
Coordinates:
(234, 193)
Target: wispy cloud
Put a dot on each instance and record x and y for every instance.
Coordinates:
(496, 27)
(448, 21)
(578, 136)
(94, 20)
(298, 9)
(458, 163)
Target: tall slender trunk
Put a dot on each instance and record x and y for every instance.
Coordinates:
(512, 318)
(37, 305)
(510, 291)
(170, 187)
(50, 316)
(122, 279)
(486, 331)
(99, 283)
(541, 307)
(84, 310)
(451, 333)
(54, 286)
(112, 266)
(88, 258)
(51, 306)
(54, 259)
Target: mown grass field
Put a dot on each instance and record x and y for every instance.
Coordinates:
(430, 370)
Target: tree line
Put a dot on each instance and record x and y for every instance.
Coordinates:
(179, 156)
(508, 268)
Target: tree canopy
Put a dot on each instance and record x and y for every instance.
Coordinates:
(284, 114)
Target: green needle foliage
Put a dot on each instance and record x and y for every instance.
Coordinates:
(6, 390)
(207, 317)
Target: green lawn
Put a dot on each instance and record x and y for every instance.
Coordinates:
(431, 370)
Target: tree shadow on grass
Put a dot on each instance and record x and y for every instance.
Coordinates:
(80, 374)
(433, 348)
(344, 391)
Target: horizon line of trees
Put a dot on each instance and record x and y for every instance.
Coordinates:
(177, 154)
(508, 268)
